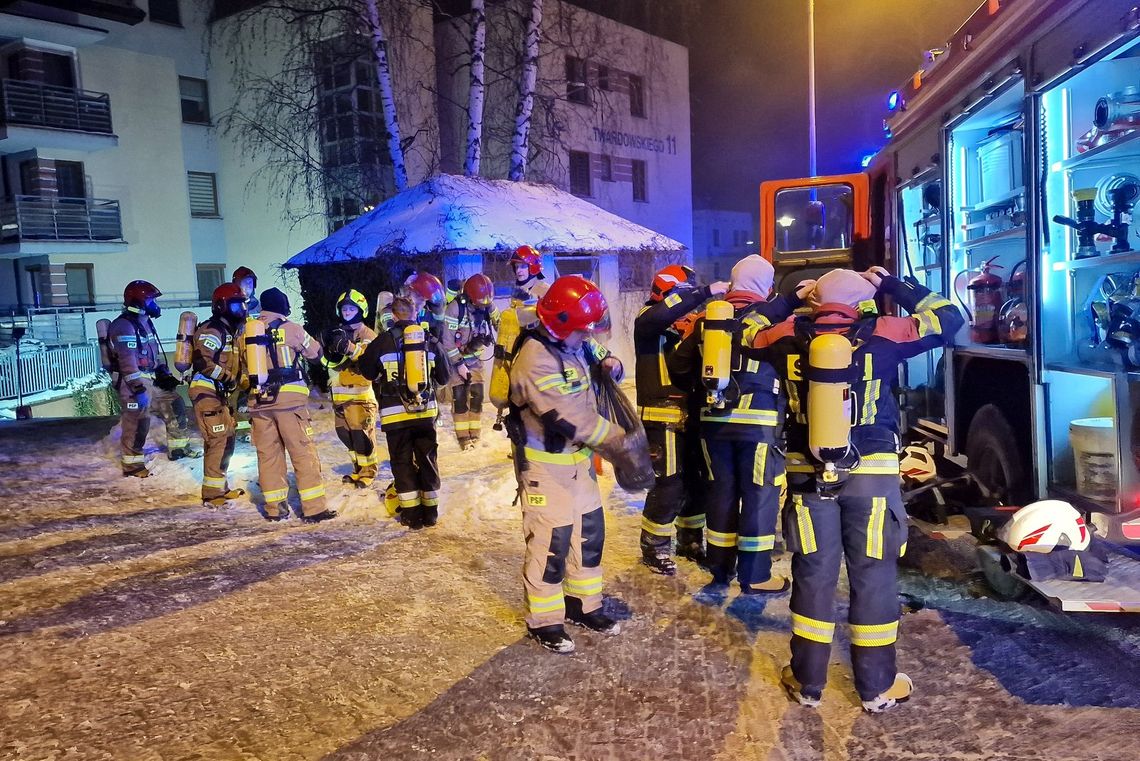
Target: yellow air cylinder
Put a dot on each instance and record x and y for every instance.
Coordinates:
(500, 386)
(415, 361)
(103, 330)
(829, 397)
(184, 346)
(256, 352)
(716, 350)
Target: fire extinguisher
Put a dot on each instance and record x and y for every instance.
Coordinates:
(984, 300)
(1013, 319)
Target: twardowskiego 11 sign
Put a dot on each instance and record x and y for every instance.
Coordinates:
(667, 145)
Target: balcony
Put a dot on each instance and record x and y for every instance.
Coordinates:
(34, 115)
(37, 224)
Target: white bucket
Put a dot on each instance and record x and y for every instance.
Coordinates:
(1094, 451)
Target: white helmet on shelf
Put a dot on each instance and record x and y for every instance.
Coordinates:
(1045, 526)
(917, 464)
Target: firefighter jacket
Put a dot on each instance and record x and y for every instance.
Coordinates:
(288, 345)
(216, 359)
(346, 381)
(468, 332)
(881, 344)
(554, 405)
(527, 294)
(135, 350)
(654, 338)
(754, 406)
(382, 362)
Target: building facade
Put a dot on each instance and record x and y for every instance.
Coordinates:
(721, 238)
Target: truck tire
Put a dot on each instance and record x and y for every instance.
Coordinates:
(993, 456)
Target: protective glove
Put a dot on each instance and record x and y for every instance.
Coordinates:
(614, 367)
(166, 381)
(142, 398)
(336, 341)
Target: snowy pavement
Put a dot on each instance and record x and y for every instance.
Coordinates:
(134, 624)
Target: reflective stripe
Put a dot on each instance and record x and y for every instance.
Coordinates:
(277, 495)
(429, 498)
(546, 604)
(902, 550)
(548, 381)
(670, 452)
(813, 628)
(743, 417)
(313, 493)
(690, 521)
(885, 464)
(409, 498)
(206, 384)
(875, 527)
(365, 459)
(133, 459)
(874, 635)
(804, 525)
(871, 401)
(759, 463)
(720, 539)
(868, 367)
(660, 414)
(928, 324)
(598, 435)
(296, 388)
(176, 443)
(468, 425)
(399, 414)
(756, 543)
(708, 460)
(583, 587)
(558, 458)
(795, 462)
(213, 483)
(930, 302)
(342, 394)
(657, 529)
(135, 376)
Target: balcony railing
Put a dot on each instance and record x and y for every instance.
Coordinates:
(39, 105)
(55, 218)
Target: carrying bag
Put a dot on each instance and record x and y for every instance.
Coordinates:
(633, 470)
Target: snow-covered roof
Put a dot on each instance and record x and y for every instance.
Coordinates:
(453, 213)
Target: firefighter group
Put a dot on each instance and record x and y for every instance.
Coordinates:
(756, 408)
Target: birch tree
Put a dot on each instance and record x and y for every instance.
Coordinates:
(477, 90)
(387, 100)
(520, 141)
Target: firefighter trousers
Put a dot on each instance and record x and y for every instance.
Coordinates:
(215, 421)
(742, 507)
(134, 422)
(467, 405)
(356, 428)
(275, 432)
(565, 531)
(413, 452)
(171, 408)
(866, 525)
(674, 499)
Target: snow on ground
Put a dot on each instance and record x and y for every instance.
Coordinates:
(134, 624)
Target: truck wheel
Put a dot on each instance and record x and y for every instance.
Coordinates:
(993, 456)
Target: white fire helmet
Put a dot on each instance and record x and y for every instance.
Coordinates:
(917, 464)
(1045, 526)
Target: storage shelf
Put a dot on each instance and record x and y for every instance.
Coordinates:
(1121, 148)
(1011, 233)
(1080, 501)
(989, 203)
(1099, 369)
(992, 351)
(928, 267)
(1104, 260)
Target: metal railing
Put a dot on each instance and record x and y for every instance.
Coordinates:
(56, 218)
(45, 370)
(40, 105)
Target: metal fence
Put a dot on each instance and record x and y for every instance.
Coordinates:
(45, 370)
(56, 218)
(43, 105)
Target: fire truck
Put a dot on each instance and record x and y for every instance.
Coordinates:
(1008, 182)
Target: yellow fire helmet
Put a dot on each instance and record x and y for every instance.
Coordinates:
(353, 297)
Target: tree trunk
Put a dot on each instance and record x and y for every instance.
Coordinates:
(387, 100)
(475, 97)
(520, 144)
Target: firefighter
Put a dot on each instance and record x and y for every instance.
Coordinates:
(739, 431)
(216, 360)
(554, 424)
(354, 403)
(468, 339)
(673, 442)
(246, 279)
(140, 376)
(454, 286)
(407, 415)
(530, 284)
(426, 293)
(279, 411)
(850, 507)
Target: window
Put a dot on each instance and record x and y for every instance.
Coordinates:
(498, 268)
(580, 174)
(577, 88)
(636, 96)
(639, 189)
(210, 276)
(203, 194)
(604, 78)
(80, 289)
(69, 179)
(716, 237)
(585, 265)
(607, 168)
(195, 100)
(165, 11)
(58, 70)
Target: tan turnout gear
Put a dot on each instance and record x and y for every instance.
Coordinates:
(468, 340)
(216, 360)
(280, 417)
(354, 404)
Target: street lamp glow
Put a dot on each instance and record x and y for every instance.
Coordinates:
(786, 221)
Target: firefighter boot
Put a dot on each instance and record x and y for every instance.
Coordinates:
(324, 515)
(595, 620)
(691, 546)
(655, 554)
(899, 692)
(795, 690)
(554, 638)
